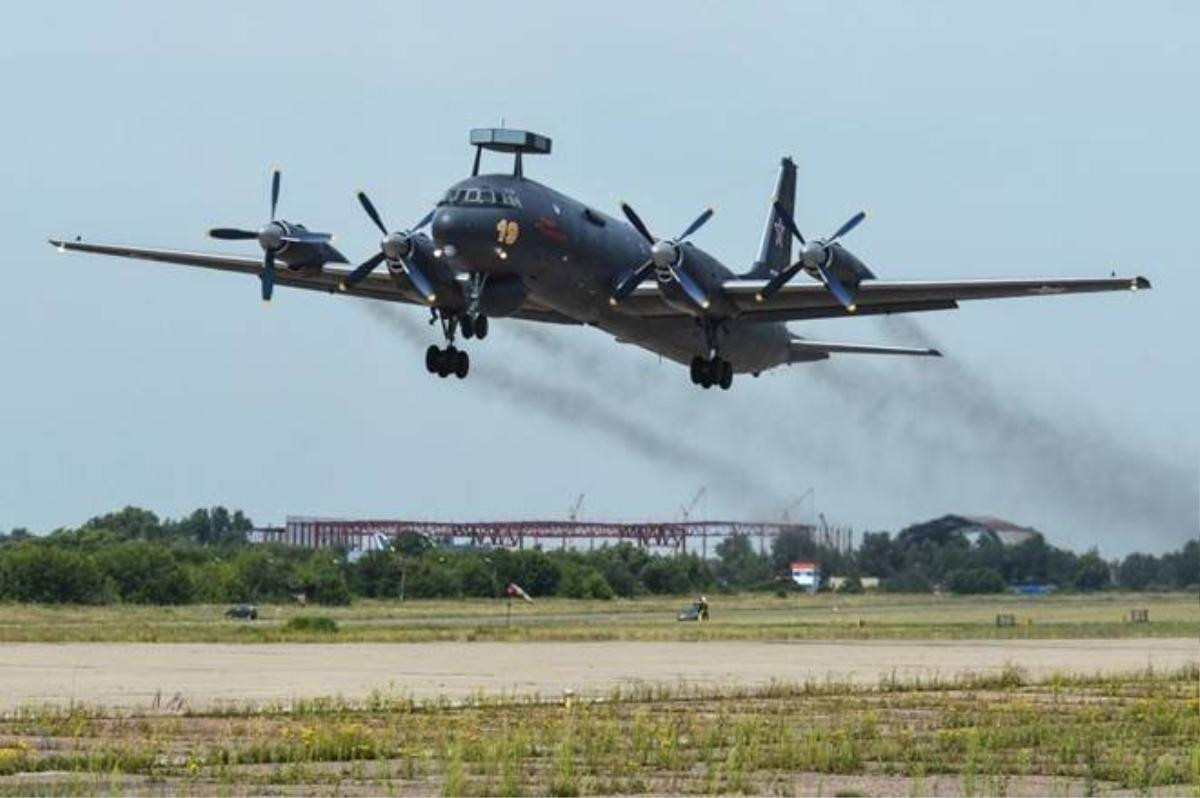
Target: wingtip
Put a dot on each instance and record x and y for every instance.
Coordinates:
(935, 353)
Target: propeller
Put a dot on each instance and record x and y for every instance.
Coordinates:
(272, 237)
(815, 257)
(665, 253)
(395, 248)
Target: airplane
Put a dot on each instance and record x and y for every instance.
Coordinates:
(502, 245)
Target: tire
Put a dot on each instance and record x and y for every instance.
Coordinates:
(481, 327)
(462, 365)
(446, 361)
(432, 355)
(697, 369)
(468, 327)
(726, 375)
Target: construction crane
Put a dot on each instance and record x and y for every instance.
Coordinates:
(573, 512)
(787, 511)
(686, 510)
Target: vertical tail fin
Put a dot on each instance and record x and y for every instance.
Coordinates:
(776, 251)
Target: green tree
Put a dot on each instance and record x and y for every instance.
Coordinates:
(46, 573)
(1092, 572)
(1138, 571)
(323, 578)
(130, 523)
(145, 573)
(739, 565)
(967, 581)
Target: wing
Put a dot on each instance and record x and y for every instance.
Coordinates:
(796, 301)
(801, 350)
(375, 286)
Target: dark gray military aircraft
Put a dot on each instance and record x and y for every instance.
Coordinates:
(502, 245)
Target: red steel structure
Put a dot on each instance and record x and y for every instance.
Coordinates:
(370, 534)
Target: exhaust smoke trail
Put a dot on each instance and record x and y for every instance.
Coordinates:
(1063, 460)
(944, 419)
(573, 407)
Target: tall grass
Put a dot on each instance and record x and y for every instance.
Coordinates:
(985, 735)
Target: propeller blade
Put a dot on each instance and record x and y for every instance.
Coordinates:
(232, 234)
(775, 283)
(305, 237)
(636, 221)
(274, 192)
(839, 291)
(849, 225)
(365, 201)
(788, 222)
(420, 281)
(696, 225)
(690, 286)
(631, 281)
(267, 275)
(361, 271)
(426, 219)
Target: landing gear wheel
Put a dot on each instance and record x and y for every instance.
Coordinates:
(447, 362)
(432, 356)
(697, 369)
(468, 327)
(480, 326)
(462, 364)
(726, 370)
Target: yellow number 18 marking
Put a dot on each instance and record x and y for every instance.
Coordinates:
(507, 232)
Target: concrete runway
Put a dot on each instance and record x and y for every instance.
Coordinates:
(130, 674)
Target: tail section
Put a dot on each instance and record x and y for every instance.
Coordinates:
(776, 251)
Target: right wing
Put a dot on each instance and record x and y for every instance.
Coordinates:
(803, 300)
(374, 286)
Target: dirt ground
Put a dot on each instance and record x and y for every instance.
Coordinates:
(131, 675)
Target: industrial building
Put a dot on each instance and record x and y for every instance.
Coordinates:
(698, 537)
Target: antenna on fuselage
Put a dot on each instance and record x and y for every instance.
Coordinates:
(500, 139)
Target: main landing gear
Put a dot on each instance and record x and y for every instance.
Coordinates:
(451, 360)
(474, 327)
(444, 362)
(474, 323)
(711, 370)
(707, 372)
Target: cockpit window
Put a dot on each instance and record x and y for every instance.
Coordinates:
(504, 197)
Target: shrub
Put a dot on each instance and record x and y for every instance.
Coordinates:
(321, 624)
(46, 573)
(975, 580)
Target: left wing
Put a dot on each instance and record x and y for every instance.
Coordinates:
(795, 301)
(373, 286)
(802, 350)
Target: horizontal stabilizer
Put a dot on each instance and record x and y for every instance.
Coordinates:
(801, 349)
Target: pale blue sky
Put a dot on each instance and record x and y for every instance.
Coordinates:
(985, 141)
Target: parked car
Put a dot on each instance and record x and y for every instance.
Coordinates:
(246, 612)
(696, 611)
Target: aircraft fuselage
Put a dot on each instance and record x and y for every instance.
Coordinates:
(568, 256)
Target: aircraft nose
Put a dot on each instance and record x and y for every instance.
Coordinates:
(472, 236)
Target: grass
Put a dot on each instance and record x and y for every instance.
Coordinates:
(994, 735)
(795, 617)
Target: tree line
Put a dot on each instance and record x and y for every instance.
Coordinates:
(135, 557)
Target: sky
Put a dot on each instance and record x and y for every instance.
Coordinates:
(1010, 140)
